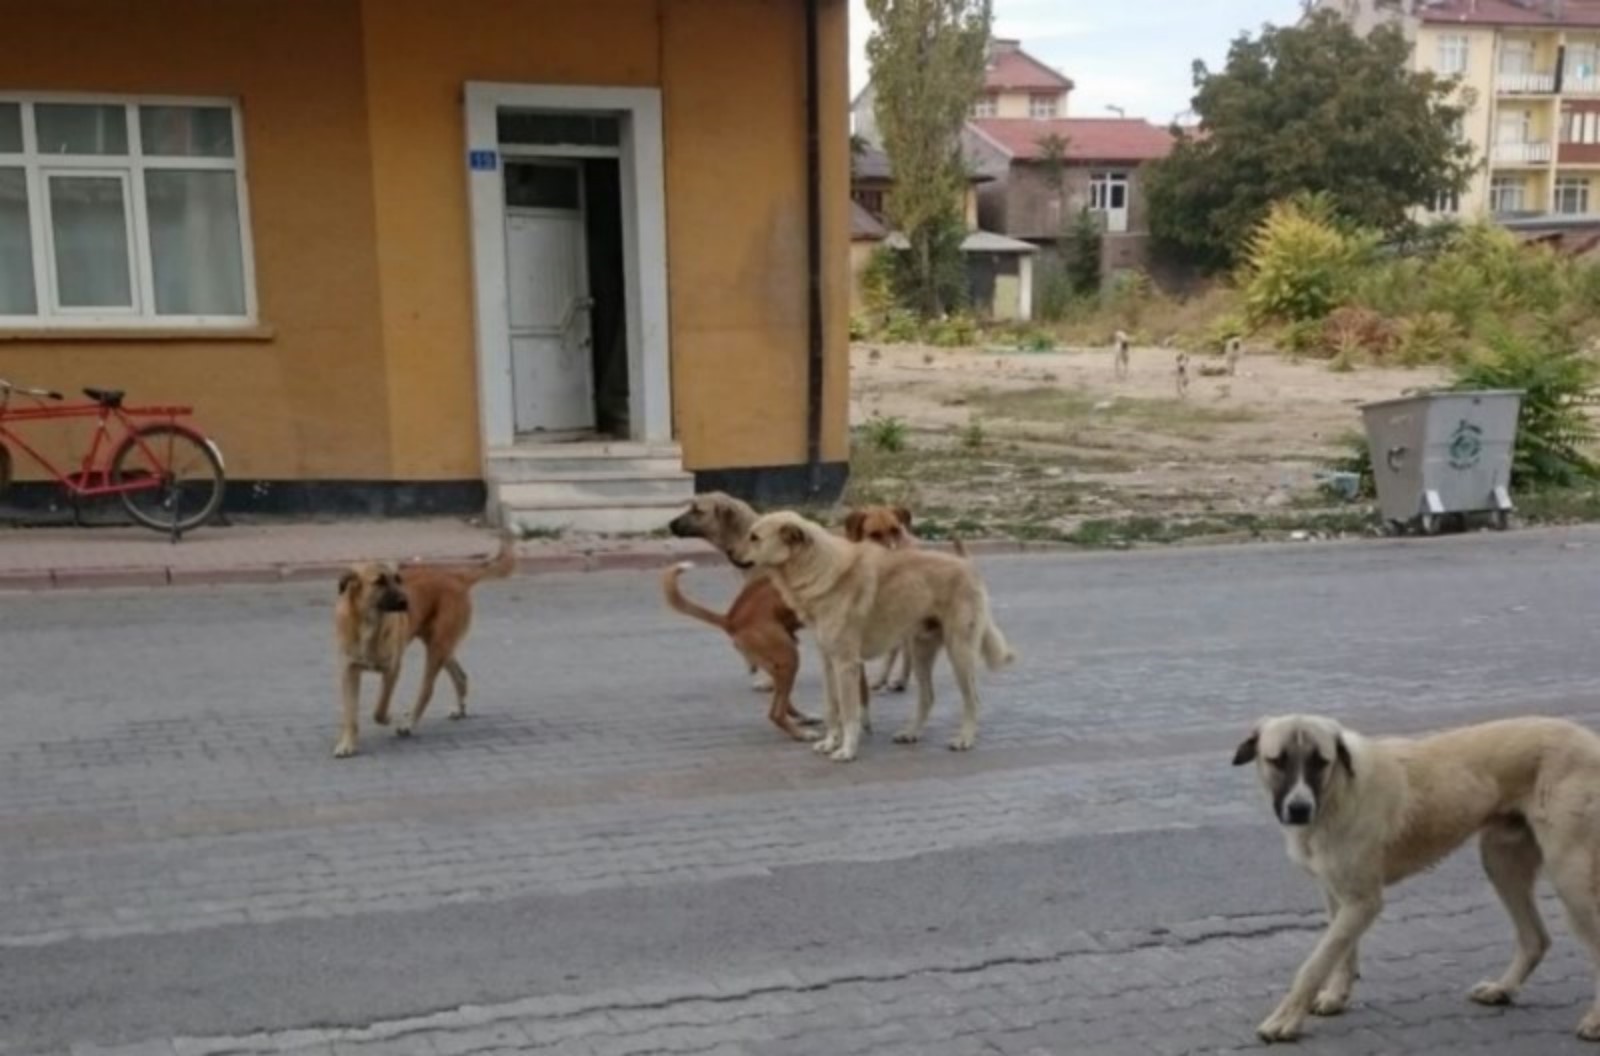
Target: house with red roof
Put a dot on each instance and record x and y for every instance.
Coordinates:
(1046, 172)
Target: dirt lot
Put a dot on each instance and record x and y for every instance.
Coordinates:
(1054, 446)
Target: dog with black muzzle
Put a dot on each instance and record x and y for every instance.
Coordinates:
(1360, 814)
(381, 608)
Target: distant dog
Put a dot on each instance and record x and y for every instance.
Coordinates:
(1360, 814)
(1181, 373)
(860, 601)
(723, 521)
(1120, 359)
(763, 629)
(381, 608)
(1231, 354)
(890, 528)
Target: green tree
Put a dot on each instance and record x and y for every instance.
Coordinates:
(927, 59)
(1083, 240)
(1307, 108)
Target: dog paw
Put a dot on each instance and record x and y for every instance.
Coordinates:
(897, 686)
(344, 750)
(456, 714)
(761, 684)
(806, 720)
(1489, 994)
(403, 730)
(1327, 1004)
(908, 736)
(842, 755)
(381, 718)
(1279, 1027)
(964, 742)
(1589, 1028)
(808, 735)
(828, 745)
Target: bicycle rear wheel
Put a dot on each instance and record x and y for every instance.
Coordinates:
(173, 476)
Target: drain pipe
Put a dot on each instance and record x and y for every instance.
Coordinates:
(814, 351)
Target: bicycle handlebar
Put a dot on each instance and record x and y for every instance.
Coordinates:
(43, 394)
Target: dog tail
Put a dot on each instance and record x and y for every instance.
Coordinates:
(678, 603)
(501, 565)
(959, 548)
(997, 653)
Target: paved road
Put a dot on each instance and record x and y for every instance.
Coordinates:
(617, 856)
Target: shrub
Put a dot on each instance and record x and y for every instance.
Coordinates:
(900, 327)
(1431, 337)
(1352, 333)
(1554, 430)
(1300, 266)
(886, 434)
(954, 331)
(973, 437)
(1083, 263)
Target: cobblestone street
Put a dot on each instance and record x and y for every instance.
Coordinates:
(616, 854)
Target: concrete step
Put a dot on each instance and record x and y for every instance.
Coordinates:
(611, 519)
(540, 461)
(597, 488)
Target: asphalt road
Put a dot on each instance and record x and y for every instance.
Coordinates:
(616, 854)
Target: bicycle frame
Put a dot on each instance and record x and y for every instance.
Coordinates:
(93, 476)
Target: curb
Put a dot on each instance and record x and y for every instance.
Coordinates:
(630, 560)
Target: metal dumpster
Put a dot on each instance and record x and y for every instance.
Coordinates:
(1441, 453)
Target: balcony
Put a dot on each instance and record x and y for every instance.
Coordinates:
(1521, 153)
(1589, 85)
(1525, 83)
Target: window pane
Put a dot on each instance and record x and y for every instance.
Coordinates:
(195, 245)
(76, 128)
(584, 130)
(16, 246)
(541, 186)
(10, 128)
(88, 222)
(186, 131)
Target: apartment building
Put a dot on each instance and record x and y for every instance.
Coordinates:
(1530, 72)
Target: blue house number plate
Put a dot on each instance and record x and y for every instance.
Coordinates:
(482, 160)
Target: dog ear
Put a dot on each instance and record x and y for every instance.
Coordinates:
(1246, 752)
(1343, 751)
(346, 581)
(903, 515)
(793, 535)
(853, 525)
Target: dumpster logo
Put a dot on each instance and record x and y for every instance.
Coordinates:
(1466, 445)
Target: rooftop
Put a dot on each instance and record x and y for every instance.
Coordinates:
(1552, 13)
(1087, 138)
(1011, 69)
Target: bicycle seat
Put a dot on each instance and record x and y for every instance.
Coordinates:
(105, 397)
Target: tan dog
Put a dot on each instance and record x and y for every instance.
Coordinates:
(1120, 358)
(724, 521)
(890, 528)
(763, 629)
(861, 600)
(381, 608)
(1360, 814)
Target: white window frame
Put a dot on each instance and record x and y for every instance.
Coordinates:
(1455, 53)
(1581, 189)
(38, 167)
(986, 105)
(1500, 186)
(1044, 107)
(1447, 203)
(1524, 49)
(1101, 184)
(1519, 122)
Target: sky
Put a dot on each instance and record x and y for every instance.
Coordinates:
(1134, 54)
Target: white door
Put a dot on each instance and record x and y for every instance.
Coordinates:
(1108, 194)
(547, 279)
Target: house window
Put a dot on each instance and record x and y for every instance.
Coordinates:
(1513, 127)
(870, 199)
(1042, 107)
(1583, 63)
(1507, 194)
(1580, 126)
(122, 212)
(986, 106)
(1453, 54)
(1445, 203)
(1108, 194)
(1516, 57)
(1572, 195)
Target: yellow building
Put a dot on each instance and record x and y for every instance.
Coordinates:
(406, 255)
(1530, 71)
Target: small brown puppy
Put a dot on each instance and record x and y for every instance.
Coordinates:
(890, 528)
(763, 629)
(381, 608)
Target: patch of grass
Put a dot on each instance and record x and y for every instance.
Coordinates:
(539, 531)
(1559, 505)
(1052, 404)
(886, 434)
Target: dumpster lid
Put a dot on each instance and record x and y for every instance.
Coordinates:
(1425, 393)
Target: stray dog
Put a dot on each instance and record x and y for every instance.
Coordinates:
(723, 521)
(381, 608)
(860, 601)
(1361, 813)
(890, 528)
(1181, 372)
(1231, 354)
(763, 629)
(1119, 360)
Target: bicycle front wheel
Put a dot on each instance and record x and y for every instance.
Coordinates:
(171, 478)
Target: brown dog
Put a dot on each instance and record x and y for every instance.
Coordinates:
(890, 528)
(723, 521)
(763, 629)
(381, 608)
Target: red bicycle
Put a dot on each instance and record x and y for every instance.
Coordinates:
(166, 472)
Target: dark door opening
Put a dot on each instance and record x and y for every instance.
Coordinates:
(602, 178)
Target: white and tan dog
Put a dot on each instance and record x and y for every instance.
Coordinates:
(1360, 814)
(861, 600)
